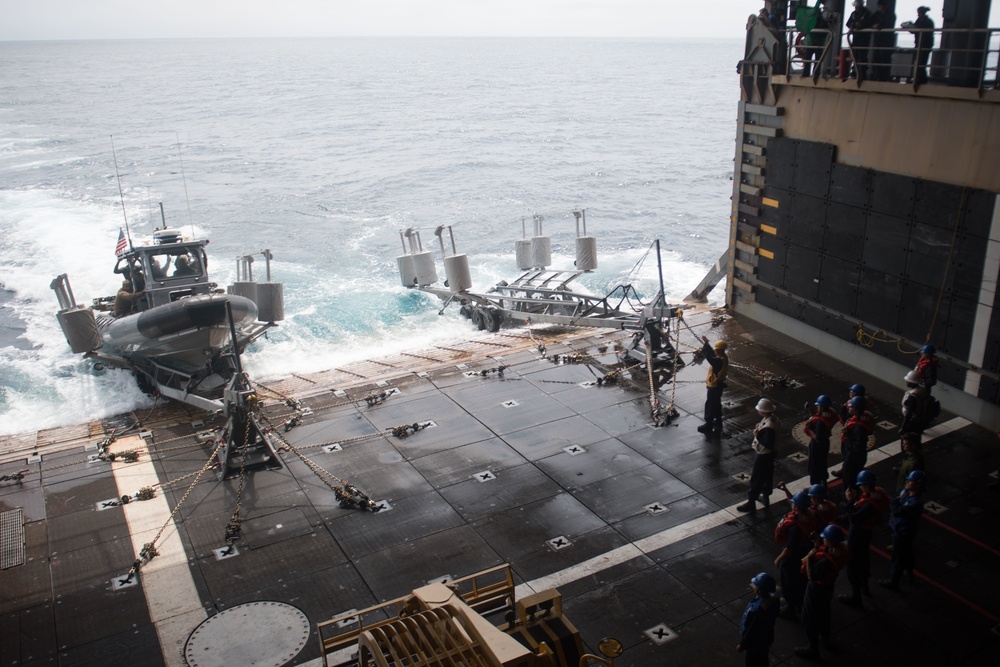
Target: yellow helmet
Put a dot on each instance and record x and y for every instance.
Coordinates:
(720, 345)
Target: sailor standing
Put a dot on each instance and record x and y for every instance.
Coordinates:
(765, 437)
(715, 383)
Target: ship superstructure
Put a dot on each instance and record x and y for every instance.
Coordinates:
(865, 219)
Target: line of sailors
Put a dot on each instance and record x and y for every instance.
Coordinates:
(815, 548)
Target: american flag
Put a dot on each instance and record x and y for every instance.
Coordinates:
(122, 243)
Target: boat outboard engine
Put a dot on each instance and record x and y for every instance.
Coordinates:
(244, 284)
(269, 297)
(541, 246)
(456, 267)
(422, 261)
(586, 246)
(522, 250)
(77, 322)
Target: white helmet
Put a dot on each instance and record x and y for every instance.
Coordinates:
(914, 377)
(765, 405)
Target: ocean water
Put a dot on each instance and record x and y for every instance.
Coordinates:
(322, 150)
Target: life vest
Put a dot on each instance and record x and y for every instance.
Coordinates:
(806, 523)
(927, 367)
(866, 421)
(838, 556)
(826, 511)
(714, 378)
(880, 501)
(824, 415)
(768, 422)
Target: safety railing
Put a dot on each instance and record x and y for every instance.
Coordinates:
(960, 57)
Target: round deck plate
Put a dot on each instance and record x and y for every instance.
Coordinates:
(255, 633)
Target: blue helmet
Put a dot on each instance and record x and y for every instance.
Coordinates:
(834, 533)
(801, 500)
(928, 349)
(858, 389)
(824, 401)
(859, 402)
(764, 583)
(817, 491)
(916, 476)
(866, 477)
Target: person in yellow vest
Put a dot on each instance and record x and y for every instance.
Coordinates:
(715, 383)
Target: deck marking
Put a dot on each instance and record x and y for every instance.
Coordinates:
(947, 591)
(969, 538)
(648, 545)
(171, 596)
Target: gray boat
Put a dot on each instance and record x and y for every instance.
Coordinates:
(170, 325)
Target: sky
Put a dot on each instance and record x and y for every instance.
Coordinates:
(141, 19)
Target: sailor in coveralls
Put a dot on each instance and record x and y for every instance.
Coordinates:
(765, 437)
(757, 624)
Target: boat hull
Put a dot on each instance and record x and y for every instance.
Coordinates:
(190, 326)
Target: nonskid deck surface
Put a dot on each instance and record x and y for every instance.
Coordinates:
(541, 468)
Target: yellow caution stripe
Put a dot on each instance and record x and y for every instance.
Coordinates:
(767, 201)
(765, 253)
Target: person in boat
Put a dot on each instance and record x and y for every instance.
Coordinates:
(159, 272)
(184, 266)
(126, 300)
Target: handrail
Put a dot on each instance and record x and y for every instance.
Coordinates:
(974, 61)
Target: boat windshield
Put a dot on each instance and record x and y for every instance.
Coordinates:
(175, 263)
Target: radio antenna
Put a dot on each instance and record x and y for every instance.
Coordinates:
(121, 195)
(184, 181)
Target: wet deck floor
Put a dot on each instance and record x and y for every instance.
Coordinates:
(565, 480)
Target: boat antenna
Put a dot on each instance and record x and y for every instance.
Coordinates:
(121, 195)
(184, 181)
(659, 269)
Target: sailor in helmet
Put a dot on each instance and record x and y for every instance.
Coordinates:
(715, 383)
(757, 624)
(765, 437)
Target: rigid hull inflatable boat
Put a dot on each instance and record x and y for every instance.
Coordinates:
(169, 324)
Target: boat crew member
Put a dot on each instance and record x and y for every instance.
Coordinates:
(883, 21)
(184, 266)
(757, 624)
(794, 533)
(823, 508)
(913, 404)
(821, 568)
(859, 24)
(854, 390)
(854, 440)
(906, 509)
(927, 366)
(126, 300)
(765, 437)
(818, 427)
(866, 507)
(715, 383)
(913, 459)
(923, 37)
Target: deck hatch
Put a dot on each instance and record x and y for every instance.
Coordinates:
(11, 539)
